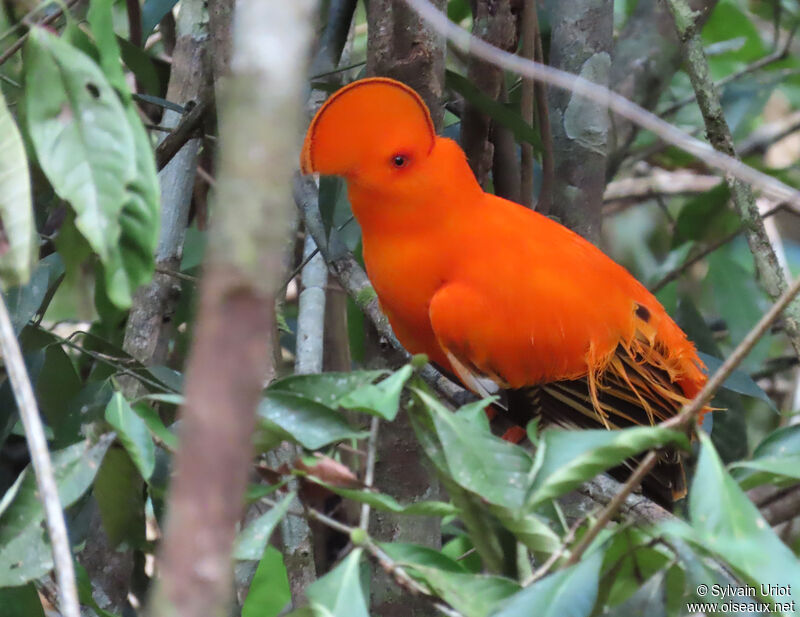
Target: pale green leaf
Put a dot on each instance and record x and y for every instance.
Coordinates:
(133, 433)
(252, 540)
(19, 240)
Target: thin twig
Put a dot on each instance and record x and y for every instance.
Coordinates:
(369, 545)
(17, 45)
(690, 410)
(463, 40)
(178, 275)
(542, 570)
(369, 474)
(183, 132)
(686, 416)
(42, 465)
(610, 510)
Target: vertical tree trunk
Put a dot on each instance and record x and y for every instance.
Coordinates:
(580, 43)
(230, 355)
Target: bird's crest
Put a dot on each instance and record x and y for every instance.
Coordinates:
(360, 117)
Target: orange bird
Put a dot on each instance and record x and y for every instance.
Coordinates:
(502, 297)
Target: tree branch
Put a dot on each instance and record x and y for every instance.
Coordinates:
(231, 352)
(770, 275)
(686, 416)
(42, 465)
(462, 40)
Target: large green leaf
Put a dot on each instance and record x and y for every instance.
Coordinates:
(739, 381)
(119, 492)
(339, 593)
(25, 552)
(83, 140)
(18, 255)
(382, 399)
(478, 461)
(101, 22)
(95, 152)
(500, 112)
(325, 388)
(776, 460)
(727, 523)
(566, 459)
(269, 592)
(153, 12)
(134, 434)
(472, 595)
(24, 301)
(134, 261)
(21, 601)
(252, 540)
(571, 592)
(311, 424)
(133, 264)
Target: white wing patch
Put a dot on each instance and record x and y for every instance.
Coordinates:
(480, 384)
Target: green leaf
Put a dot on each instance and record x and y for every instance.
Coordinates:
(739, 381)
(85, 591)
(727, 523)
(101, 22)
(252, 540)
(418, 555)
(478, 461)
(25, 552)
(21, 601)
(133, 433)
(151, 73)
(269, 592)
(776, 460)
(155, 425)
(566, 459)
(82, 138)
(570, 592)
(18, 257)
(23, 302)
(503, 114)
(649, 600)
(119, 492)
(472, 595)
(705, 217)
(325, 388)
(153, 12)
(382, 399)
(311, 424)
(339, 593)
(133, 263)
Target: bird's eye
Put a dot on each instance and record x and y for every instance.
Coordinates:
(399, 160)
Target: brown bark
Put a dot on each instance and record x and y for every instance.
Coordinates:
(495, 22)
(224, 378)
(231, 353)
(400, 45)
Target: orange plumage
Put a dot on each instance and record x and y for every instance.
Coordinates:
(499, 295)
